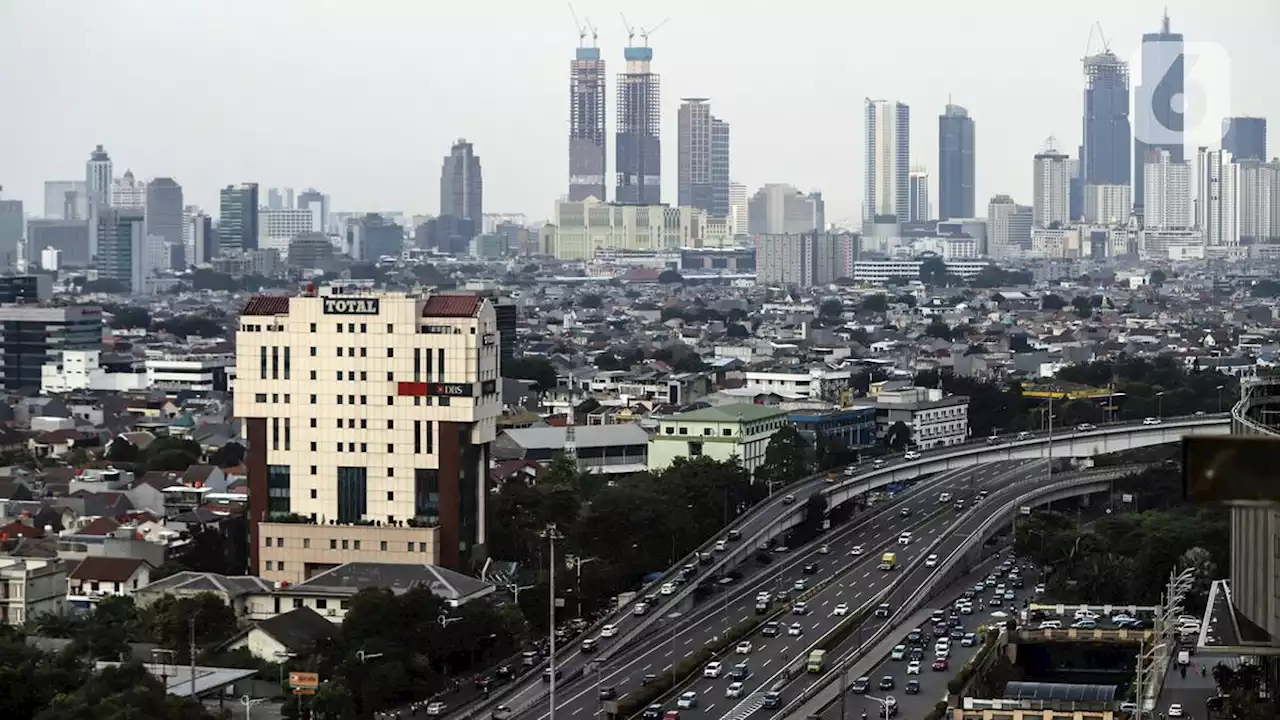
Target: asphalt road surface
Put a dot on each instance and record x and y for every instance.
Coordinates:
(770, 655)
(624, 671)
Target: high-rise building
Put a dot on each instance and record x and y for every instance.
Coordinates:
(805, 259)
(238, 218)
(1259, 201)
(122, 235)
(66, 200)
(164, 210)
(462, 185)
(737, 208)
(1158, 99)
(639, 140)
(720, 169)
(583, 229)
(128, 192)
(1008, 227)
(98, 178)
(1108, 205)
(277, 227)
(1051, 188)
(888, 154)
(318, 203)
(420, 373)
(956, 166)
(33, 335)
(1167, 184)
(13, 227)
(780, 209)
(1217, 213)
(280, 199)
(1245, 138)
(69, 237)
(204, 241)
(1108, 138)
(372, 237)
(918, 209)
(693, 152)
(588, 156)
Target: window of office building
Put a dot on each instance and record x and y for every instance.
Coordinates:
(353, 486)
(426, 494)
(278, 482)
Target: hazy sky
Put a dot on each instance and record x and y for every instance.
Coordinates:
(362, 98)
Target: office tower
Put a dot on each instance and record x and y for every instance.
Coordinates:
(34, 334)
(204, 241)
(1245, 138)
(1158, 102)
(13, 227)
(462, 186)
(277, 227)
(1008, 227)
(164, 210)
(121, 234)
(693, 143)
(1108, 139)
(237, 218)
(1217, 186)
(410, 449)
(66, 200)
(806, 259)
(588, 156)
(638, 143)
(280, 199)
(956, 165)
(128, 192)
(69, 237)
(318, 203)
(51, 259)
(583, 229)
(888, 153)
(737, 208)
(918, 196)
(372, 237)
(1259, 201)
(780, 209)
(1051, 188)
(1075, 191)
(1108, 204)
(720, 169)
(1167, 184)
(98, 178)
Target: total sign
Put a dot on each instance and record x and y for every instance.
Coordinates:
(350, 306)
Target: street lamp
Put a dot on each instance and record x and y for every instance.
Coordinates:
(552, 534)
(362, 656)
(248, 703)
(575, 563)
(673, 617)
(885, 702)
(1220, 399)
(282, 656)
(1160, 405)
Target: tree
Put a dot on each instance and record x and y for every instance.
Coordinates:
(128, 316)
(831, 309)
(670, 277)
(906, 299)
(114, 622)
(30, 679)
(229, 455)
(126, 692)
(1158, 278)
(590, 301)
(170, 620)
(121, 450)
(787, 458)
(937, 328)
(898, 437)
(1052, 302)
(874, 303)
(539, 370)
(737, 331)
(172, 453)
(933, 272)
(1083, 307)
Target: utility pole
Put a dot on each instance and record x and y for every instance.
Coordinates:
(551, 533)
(844, 689)
(191, 627)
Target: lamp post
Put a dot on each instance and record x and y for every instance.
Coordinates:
(282, 656)
(885, 702)
(1220, 399)
(552, 534)
(575, 563)
(673, 617)
(1160, 405)
(363, 657)
(248, 703)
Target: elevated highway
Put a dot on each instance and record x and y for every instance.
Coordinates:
(777, 515)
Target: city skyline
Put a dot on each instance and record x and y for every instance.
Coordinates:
(528, 169)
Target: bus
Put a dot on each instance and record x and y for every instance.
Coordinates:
(817, 660)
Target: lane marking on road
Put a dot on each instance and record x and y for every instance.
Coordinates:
(576, 710)
(646, 667)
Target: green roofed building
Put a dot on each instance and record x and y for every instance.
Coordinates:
(720, 433)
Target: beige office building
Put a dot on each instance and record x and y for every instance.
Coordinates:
(369, 418)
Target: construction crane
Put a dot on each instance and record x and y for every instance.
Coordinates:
(580, 26)
(644, 33)
(595, 34)
(1106, 46)
(631, 31)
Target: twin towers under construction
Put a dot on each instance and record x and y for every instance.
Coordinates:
(638, 175)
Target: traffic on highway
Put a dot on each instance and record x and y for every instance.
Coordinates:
(789, 639)
(861, 543)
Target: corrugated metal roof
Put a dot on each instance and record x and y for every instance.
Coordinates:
(459, 306)
(1060, 691)
(552, 438)
(266, 305)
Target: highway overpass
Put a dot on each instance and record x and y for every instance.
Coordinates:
(775, 516)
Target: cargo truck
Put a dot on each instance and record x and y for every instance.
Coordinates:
(817, 660)
(888, 561)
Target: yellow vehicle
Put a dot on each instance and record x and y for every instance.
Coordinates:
(888, 561)
(817, 660)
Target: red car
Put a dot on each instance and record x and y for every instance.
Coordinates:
(940, 664)
(672, 715)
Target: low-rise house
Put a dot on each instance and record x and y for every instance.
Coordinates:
(232, 590)
(30, 588)
(95, 578)
(289, 634)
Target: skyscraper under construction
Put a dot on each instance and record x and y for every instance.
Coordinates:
(639, 147)
(1108, 136)
(588, 157)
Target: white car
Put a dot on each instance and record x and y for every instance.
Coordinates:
(944, 498)
(712, 670)
(904, 538)
(744, 648)
(687, 700)
(720, 545)
(841, 609)
(913, 667)
(931, 561)
(435, 709)
(911, 455)
(1086, 614)
(1175, 710)
(608, 631)
(734, 690)
(795, 630)
(856, 550)
(898, 653)
(1051, 625)
(1040, 589)
(1156, 421)
(667, 589)
(640, 609)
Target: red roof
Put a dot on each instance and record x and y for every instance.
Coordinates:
(266, 305)
(457, 306)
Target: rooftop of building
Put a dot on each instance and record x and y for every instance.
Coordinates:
(737, 412)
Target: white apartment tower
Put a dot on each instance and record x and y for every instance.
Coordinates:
(1166, 203)
(277, 227)
(1108, 205)
(127, 192)
(1217, 213)
(888, 152)
(737, 209)
(1051, 193)
(369, 418)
